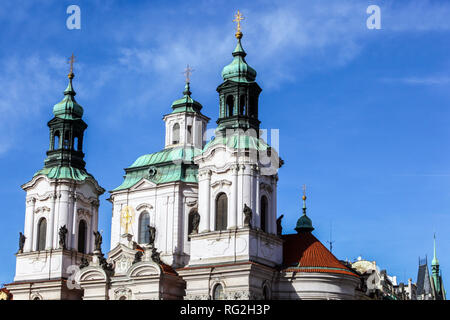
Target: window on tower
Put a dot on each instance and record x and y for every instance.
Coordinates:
(230, 105)
(252, 112)
(42, 234)
(76, 145)
(242, 105)
(66, 140)
(82, 228)
(221, 211)
(176, 134)
(189, 134)
(56, 141)
(264, 205)
(144, 222)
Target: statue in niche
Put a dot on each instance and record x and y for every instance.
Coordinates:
(195, 222)
(279, 227)
(152, 233)
(62, 237)
(22, 239)
(98, 241)
(247, 216)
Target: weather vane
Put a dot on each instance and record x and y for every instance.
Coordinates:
(238, 17)
(188, 72)
(71, 61)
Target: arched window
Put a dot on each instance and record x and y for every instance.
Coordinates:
(252, 108)
(230, 105)
(144, 221)
(82, 236)
(176, 133)
(66, 143)
(264, 210)
(56, 141)
(42, 234)
(76, 144)
(218, 292)
(221, 212)
(266, 293)
(242, 105)
(189, 134)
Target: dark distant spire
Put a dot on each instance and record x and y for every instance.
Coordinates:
(304, 224)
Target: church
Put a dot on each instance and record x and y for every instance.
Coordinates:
(197, 220)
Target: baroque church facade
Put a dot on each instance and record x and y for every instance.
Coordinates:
(196, 220)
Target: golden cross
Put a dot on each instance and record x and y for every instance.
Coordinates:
(238, 18)
(71, 61)
(188, 72)
(127, 217)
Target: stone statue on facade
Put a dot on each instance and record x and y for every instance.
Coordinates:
(156, 256)
(98, 241)
(152, 233)
(107, 267)
(84, 263)
(279, 227)
(195, 222)
(138, 256)
(22, 239)
(62, 237)
(247, 216)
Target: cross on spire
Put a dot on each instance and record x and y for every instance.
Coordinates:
(238, 17)
(71, 61)
(188, 72)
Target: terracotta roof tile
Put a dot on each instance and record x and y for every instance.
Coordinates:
(167, 269)
(304, 253)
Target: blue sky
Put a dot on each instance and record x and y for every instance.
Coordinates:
(363, 114)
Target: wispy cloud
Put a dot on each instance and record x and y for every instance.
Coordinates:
(425, 80)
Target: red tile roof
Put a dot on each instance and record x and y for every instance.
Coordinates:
(167, 269)
(304, 253)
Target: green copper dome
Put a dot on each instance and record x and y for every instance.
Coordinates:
(304, 224)
(238, 70)
(186, 103)
(68, 108)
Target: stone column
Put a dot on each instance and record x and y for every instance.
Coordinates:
(246, 193)
(29, 224)
(204, 196)
(273, 220)
(258, 196)
(63, 215)
(95, 205)
(232, 212)
(51, 223)
(73, 230)
(70, 220)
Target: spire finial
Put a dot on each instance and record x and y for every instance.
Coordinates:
(304, 224)
(238, 17)
(435, 261)
(188, 72)
(304, 199)
(71, 61)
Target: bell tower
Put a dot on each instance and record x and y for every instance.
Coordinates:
(239, 93)
(61, 210)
